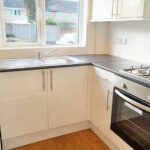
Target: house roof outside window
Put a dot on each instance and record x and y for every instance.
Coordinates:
(14, 4)
(68, 6)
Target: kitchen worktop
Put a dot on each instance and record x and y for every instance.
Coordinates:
(104, 61)
(7, 65)
(116, 66)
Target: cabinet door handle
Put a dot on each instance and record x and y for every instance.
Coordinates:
(51, 78)
(114, 8)
(119, 8)
(44, 88)
(107, 105)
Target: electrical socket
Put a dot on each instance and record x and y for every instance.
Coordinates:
(124, 40)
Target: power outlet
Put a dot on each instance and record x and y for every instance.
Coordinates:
(124, 40)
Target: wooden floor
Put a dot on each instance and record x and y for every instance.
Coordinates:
(83, 140)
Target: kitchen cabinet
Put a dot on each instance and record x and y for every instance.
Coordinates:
(102, 9)
(23, 103)
(120, 10)
(32, 101)
(67, 98)
(131, 8)
(101, 99)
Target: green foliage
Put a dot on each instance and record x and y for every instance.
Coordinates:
(10, 35)
(66, 25)
(31, 9)
(51, 21)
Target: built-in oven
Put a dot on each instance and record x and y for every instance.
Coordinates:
(131, 113)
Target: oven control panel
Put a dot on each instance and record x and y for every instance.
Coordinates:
(133, 88)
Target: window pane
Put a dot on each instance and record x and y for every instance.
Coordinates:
(20, 20)
(62, 22)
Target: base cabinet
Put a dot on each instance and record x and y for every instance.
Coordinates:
(101, 107)
(67, 96)
(32, 101)
(23, 104)
(101, 100)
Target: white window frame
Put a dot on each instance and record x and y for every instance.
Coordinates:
(41, 29)
(20, 44)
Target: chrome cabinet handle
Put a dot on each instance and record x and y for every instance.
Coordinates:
(133, 102)
(119, 8)
(51, 78)
(43, 72)
(107, 105)
(114, 8)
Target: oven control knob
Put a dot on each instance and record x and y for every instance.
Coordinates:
(124, 86)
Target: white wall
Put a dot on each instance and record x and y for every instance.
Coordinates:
(138, 40)
(101, 38)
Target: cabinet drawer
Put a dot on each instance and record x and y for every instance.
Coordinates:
(22, 83)
(103, 74)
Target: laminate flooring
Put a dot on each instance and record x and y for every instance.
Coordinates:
(82, 140)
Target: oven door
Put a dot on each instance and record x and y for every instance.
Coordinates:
(131, 119)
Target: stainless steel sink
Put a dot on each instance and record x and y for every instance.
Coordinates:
(60, 60)
(19, 63)
(33, 62)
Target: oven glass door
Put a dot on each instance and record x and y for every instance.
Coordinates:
(131, 119)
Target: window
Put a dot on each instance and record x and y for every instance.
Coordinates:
(20, 23)
(17, 12)
(62, 22)
(23, 24)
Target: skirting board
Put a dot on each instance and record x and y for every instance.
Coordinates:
(99, 133)
(114, 142)
(32, 138)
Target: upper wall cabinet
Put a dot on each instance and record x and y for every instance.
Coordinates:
(120, 10)
(102, 9)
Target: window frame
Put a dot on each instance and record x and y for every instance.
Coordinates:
(41, 29)
(20, 44)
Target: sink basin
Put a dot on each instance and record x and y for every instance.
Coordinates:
(19, 63)
(33, 62)
(60, 60)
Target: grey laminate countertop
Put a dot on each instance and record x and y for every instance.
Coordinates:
(107, 62)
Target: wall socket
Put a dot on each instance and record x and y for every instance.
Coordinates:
(122, 40)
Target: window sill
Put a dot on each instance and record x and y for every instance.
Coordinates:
(41, 47)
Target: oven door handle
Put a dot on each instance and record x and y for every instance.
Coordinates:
(133, 102)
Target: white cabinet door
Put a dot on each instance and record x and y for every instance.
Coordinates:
(23, 103)
(101, 104)
(102, 9)
(131, 8)
(67, 100)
